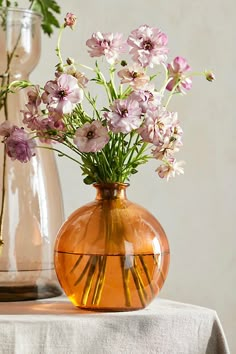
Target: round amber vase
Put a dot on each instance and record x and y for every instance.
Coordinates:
(111, 254)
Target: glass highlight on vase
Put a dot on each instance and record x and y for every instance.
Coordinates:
(31, 209)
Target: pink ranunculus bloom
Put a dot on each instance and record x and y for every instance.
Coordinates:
(111, 45)
(70, 70)
(34, 96)
(91, 137)
(134, 75)
(170, 168)
(70, 20)
(170, 141)
(176, 73)
(31, 116)
(47, 126)
(19, 146)
(157, 125)
(61, 95)
(125, 116)
(82, 79)
(147, 97)
(148, 46)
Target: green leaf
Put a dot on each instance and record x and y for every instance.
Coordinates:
(47, 8)
(89, 180)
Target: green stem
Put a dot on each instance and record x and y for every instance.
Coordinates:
(147, 273)
(138, 286)
(89, 280)
(112, 83)
(100, 281)
(58, 50)
(86, 67)
(84, 271)
(3, 196)
(125, 277)
(61, 153)
(77, 263)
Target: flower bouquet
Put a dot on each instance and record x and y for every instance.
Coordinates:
(133, 127)
(109, 141)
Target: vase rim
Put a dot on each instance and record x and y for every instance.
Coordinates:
(22, 10)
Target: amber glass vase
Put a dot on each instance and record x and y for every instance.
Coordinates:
(111, 254)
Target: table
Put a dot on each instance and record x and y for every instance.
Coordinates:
(56, 326)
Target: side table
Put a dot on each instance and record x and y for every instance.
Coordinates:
(55, 326)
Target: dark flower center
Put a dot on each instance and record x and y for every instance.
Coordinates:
(134, 74)
(147, 45)
(105, 42)
(62, 93)
(124, 112)
(90, 134)
(150, 95)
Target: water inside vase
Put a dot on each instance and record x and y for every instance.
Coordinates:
(111, 282)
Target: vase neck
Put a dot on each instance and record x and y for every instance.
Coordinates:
(110, 191)
(20, 42)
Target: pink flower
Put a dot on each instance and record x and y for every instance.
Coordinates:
(146, 97)
(156, 128)
(170, 168)
(111, 45)
(62, 94)
(19, 146)
(91, 137)
(33, 113)
(82, 79)
(70, 20)
(70, 70)
(6, 128)
(124, 117)
(31, 116)
(34, 96)
(176, 71)
(134, 75)
(148, 46)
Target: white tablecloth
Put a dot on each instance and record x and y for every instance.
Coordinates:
(56, 326)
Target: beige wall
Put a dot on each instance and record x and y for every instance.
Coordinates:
(198, 209)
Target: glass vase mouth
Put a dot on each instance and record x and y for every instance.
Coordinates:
(20, 10)
(110, 185)
(106, 191)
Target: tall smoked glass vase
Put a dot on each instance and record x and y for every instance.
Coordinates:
(31, 209)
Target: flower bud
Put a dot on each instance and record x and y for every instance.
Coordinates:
(70, 61)
(59, 68)
(123, 63)
(210, 76)
(70, 20)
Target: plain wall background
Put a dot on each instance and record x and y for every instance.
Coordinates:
(197, 210)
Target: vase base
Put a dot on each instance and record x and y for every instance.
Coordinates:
(112, 309)
(31, 292)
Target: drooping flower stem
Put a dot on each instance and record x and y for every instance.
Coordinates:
(60, 153)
